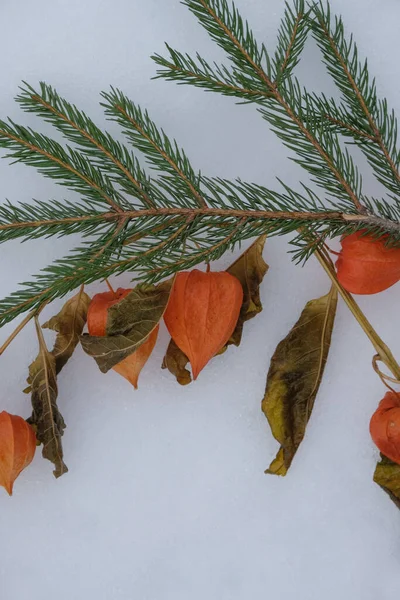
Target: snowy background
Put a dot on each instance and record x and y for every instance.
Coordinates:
(166, 498)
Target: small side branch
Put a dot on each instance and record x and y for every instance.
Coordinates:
(377, 135)
(272, 87)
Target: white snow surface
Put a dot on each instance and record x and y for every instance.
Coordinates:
(166, 497)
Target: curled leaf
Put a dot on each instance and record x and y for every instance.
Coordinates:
(295, 375)
(132, 365)
(250, 269)
(175, 361)
(129, 324)
(387, 476)
(68, 324)
(46, 419)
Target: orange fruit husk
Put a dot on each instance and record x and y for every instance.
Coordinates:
(131, 366)
(202, 314)
(365, 265)
(385, 426)
(17, 448)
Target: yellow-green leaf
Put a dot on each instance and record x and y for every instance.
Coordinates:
(250, 269)
(68, 324)
(295, 375)
(46, 418)
(129, 324)
(387, 476)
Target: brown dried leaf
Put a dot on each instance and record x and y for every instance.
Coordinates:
(175, 361)
(68, 324)
(129, 324)
(46, 419)
(387, 476)
(295, 375)
(250, 269)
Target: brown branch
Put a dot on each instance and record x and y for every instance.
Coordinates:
(97, 144)
(58, 161)
(385, 224)
(128, 215)
(200, 200)
(377, 136)
(278, 97)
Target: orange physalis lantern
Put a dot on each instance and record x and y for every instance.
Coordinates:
(17, 448)
(385, 426)
(202, 314)
(131, 366)
(365, 265)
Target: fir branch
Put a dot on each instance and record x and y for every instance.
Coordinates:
(292, 37)
(66, 166)
(226, 27)
(183, 69)
(183, 217)
(164, 240)
(163, 155)
(287, 107)
(37, 219)
(108, 155)
(364, 110)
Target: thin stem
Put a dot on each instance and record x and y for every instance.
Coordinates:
(110, 287)
(383, 377)
(381, 348)
(17, 330)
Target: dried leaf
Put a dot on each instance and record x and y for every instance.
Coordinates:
(387, 476)
(250, 269)
(46, 418)
(68, 324)
(132, 365)
(129, 324)
(295, 375)
(175, 361)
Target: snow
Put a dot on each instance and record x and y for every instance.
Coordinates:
(166, 497)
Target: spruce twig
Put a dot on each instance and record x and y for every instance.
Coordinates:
(133, 221)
